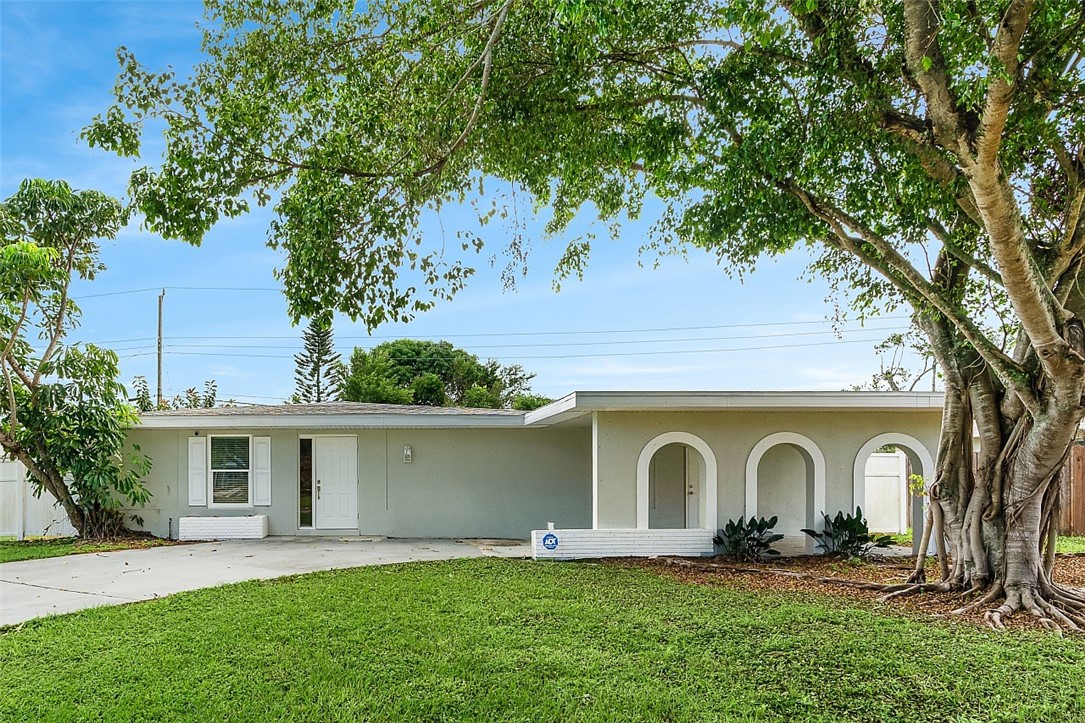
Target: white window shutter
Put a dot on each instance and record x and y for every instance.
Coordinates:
(197, 471)
(261, 471)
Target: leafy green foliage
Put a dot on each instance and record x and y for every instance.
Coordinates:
(191, 398)
(528, 402)
(848, 536)
(428, 389)
(748, 541)
(434, 373)
(758, 127)
(317, 374)
(63, 413)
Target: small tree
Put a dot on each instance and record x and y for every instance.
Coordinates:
(317, 376)
(466, 380)
(192, 398)
(368, 378)
(63, 413)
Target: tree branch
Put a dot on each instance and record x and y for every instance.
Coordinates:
(925, 62)
(902, 274)
(487, 67)
(946, 238)
(1002, 81)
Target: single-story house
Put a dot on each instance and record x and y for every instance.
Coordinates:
(593, 473)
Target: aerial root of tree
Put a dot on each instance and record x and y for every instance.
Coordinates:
(893, 592)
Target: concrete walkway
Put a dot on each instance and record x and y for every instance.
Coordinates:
(36, 588)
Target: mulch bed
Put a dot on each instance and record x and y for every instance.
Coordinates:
(816, 575)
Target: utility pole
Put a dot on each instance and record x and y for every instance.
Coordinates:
(161, 298)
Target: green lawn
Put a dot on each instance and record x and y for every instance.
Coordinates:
(1063, 545)
(12, 550)
(522, 641)
(1068, 545)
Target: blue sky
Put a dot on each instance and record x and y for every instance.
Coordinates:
(683, 325)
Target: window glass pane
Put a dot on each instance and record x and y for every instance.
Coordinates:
(230, 487)
(305, 482)
(229, 453)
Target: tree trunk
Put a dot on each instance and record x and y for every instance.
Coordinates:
(91, 522)
(995, 516)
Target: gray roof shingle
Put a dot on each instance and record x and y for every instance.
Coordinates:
(286, 410)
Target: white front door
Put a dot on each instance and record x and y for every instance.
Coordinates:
(693, 489)
(335, 474)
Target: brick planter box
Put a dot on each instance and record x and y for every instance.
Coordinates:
(252, 527)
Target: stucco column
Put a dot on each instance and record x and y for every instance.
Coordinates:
(595, 470)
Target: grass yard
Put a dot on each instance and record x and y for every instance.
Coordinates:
(1070, 545)
(12, 550)
(522, 641)
(1064, 545)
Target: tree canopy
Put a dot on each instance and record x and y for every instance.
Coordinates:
(63, 413)
(931, 154)
(434, 373)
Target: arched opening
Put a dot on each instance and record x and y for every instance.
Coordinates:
(785, 477)
(676, 483)
(884, 469)
(785, 488)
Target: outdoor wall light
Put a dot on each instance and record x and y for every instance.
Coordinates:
(407, 454)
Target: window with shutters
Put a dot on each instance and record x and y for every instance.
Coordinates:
(231, 470)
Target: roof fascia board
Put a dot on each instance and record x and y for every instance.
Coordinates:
(330, 421)
(637, 401)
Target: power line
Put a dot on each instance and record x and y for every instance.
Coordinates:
(146, 350)
(572, 356)
(177, 288)
(551, 333)
(407, 335)
(609, 342)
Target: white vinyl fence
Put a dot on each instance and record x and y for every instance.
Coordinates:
(886, 508)
(24, 515)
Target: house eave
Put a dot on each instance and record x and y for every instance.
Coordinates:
(332, 421)
(578, 404)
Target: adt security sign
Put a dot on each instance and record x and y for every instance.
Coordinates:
(550, 541)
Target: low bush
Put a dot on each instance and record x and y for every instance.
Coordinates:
(848, 536)
(748, 541)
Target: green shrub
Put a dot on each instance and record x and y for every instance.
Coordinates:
(748, 541)
(848, 536)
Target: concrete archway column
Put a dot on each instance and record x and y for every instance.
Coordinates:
(797, 440)
(926, 461)
(711, 474)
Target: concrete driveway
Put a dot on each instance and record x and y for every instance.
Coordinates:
(36, 588)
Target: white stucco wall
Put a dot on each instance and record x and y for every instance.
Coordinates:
(785, 489)
(731, 435)
(667, 489)
(460, 483)
(507, 482)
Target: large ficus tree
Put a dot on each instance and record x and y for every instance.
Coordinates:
(63, 413)
(931, 154)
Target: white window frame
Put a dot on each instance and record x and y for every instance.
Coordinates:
(211, 474)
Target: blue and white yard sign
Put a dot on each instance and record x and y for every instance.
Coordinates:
(550, 541)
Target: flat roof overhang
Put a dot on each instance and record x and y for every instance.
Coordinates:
(578, 404)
